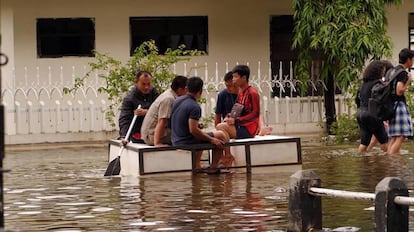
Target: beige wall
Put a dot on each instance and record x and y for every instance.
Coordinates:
(238, 29)
(398, 26)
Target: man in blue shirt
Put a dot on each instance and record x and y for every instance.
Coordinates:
(186, 113)
(225, 99)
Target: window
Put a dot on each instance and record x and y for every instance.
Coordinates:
(411, 31)
(170, 32)
(65, 37)
(281, 55)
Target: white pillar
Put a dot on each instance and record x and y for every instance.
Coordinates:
(7, 42)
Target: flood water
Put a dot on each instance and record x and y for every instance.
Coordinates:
(64, 190)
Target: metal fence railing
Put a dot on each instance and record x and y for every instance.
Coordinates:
(305, 204)
(35, 103)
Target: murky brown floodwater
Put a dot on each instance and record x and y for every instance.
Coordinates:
(64, 190)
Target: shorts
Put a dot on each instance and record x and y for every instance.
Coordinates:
(242, 133)
(195, 141)
(166, 139)
(369, 126)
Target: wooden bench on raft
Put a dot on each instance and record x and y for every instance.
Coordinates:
(269, 150)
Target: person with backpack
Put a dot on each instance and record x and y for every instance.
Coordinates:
(387, 66)
(368, 123)
(400, 126)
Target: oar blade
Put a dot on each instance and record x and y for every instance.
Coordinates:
(114, 167)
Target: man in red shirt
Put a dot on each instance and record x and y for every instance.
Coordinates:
(247, 124)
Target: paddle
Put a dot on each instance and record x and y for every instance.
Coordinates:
(114, 166)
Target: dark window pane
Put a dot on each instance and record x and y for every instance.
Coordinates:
(281, 54)
(170, 32)
(65, 37)
(411, 30)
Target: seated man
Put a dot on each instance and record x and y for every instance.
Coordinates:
(155, 128)
(186, 113)
(225, 99)
(142, 94)
(246, 125)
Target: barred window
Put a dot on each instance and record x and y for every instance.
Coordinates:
(170, 32)
(59, 37)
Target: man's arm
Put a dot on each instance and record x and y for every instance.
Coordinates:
(201, 135)
(402, 87)
(159, 131)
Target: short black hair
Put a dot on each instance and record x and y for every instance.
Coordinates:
(404, 55)
(142, 73)
(228, 76)
(373, 71)
(194, 84)
(242, 70)
(179, 82)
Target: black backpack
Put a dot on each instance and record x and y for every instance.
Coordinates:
(381, 103)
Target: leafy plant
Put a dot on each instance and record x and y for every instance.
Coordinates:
(207, 121)
(409, 95)
(119, 77)
(346, 128)
(337, 38)
(344, 34)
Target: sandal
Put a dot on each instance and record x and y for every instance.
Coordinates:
(212, 171)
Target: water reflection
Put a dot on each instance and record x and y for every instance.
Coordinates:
(64, 190)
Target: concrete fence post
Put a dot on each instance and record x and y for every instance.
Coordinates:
(389, 216)
(305, 210)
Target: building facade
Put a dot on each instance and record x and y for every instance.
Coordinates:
(40, 37)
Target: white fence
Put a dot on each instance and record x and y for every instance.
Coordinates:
(37, 104)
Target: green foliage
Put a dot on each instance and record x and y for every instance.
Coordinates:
(119, 77)
(343, 34)
(409, 95)
(207, 121)
(346, 128)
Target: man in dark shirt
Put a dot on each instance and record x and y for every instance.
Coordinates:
(185, 116)
(225, 99)
(141, 94)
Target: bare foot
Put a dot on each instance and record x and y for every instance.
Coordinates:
(266, 130)
(227, 160)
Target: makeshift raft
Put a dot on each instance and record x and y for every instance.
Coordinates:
(270, 150)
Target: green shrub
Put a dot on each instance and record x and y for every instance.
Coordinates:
(346, 128)
(119, 77)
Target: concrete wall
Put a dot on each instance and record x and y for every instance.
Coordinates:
(238, 29)
(398, 26)
(238, 32)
